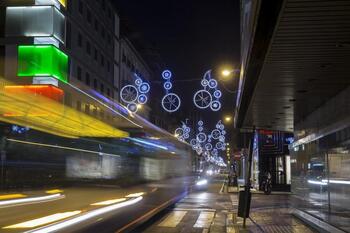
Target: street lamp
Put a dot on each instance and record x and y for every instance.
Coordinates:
(226, 73)
(228, 119)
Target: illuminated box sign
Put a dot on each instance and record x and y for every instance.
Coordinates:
(47, 91)
(35, 21)
(42, 60)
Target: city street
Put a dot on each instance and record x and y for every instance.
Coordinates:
(211, 211)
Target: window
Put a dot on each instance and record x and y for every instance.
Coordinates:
(102, 88)
(95, 54)
(108, 38)
(87, 79)
(68, 99)
(88, 49)
(96, 25)
(78, 105)
(103, 4)
(80, 7)
(124, 58)
(87, 108)
(68, 34)
(88, 15)
(103, 32)
(102, 60)
(80, 40)
(95, 84)
(108, 92)
(108, 66)
(132, 67)
(128, 63)
(79, 73)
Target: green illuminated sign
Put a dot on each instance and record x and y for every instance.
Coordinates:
(42, 60)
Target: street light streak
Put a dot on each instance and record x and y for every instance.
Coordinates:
(86, 216)
(43, 220)
(135, 194)
(61, 147)
(109, 202)
(76, 88)
(30, 200)
(148, 143)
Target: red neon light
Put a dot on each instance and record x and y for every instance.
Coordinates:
(48, 91)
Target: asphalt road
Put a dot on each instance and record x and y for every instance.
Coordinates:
(155, 197)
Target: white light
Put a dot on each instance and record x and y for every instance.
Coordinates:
(30, 200)
(316, 182)
(202, 182)
(94, 213)
(210, 172)
(337, 181)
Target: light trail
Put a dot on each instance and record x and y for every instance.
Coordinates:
(61, 147)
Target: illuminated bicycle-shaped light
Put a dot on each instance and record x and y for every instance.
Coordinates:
(171, 102)
(129, 94)
(200, 123)
(202, 99)
(222, 138)
(219, 145)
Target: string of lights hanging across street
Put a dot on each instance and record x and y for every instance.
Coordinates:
(208, 97)
(207, 145)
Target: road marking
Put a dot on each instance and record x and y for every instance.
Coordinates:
(204, 220)
(109, 202)
(53, 191)
(44, 220)
(195, 209)
(173, 219)
(230, 230)
(11, 196)
(30, 200)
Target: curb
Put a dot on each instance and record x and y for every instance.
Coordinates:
(315, 223)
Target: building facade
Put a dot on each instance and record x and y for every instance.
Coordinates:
(294, 78)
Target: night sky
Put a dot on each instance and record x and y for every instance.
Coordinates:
(191, 37)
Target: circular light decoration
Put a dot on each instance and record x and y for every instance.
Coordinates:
(142, 99)
(200, 123)
(132, 107)
(183, 133)
(171, 102)
(166, 74)
(219, 145)
(144, 88)
(193, 142)
(168, 85)
(129, 94)
(138, 82)
(201, 137)
(216, 134)
(209, 96)
(135, 94)
(208, 146)
(215, 105)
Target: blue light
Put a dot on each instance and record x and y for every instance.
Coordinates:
(166, 74)
(148, 143)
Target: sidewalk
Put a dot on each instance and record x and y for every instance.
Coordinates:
(212, 211)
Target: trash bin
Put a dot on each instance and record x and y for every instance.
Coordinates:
(244, 202)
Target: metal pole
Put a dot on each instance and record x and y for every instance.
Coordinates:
(248, 182)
